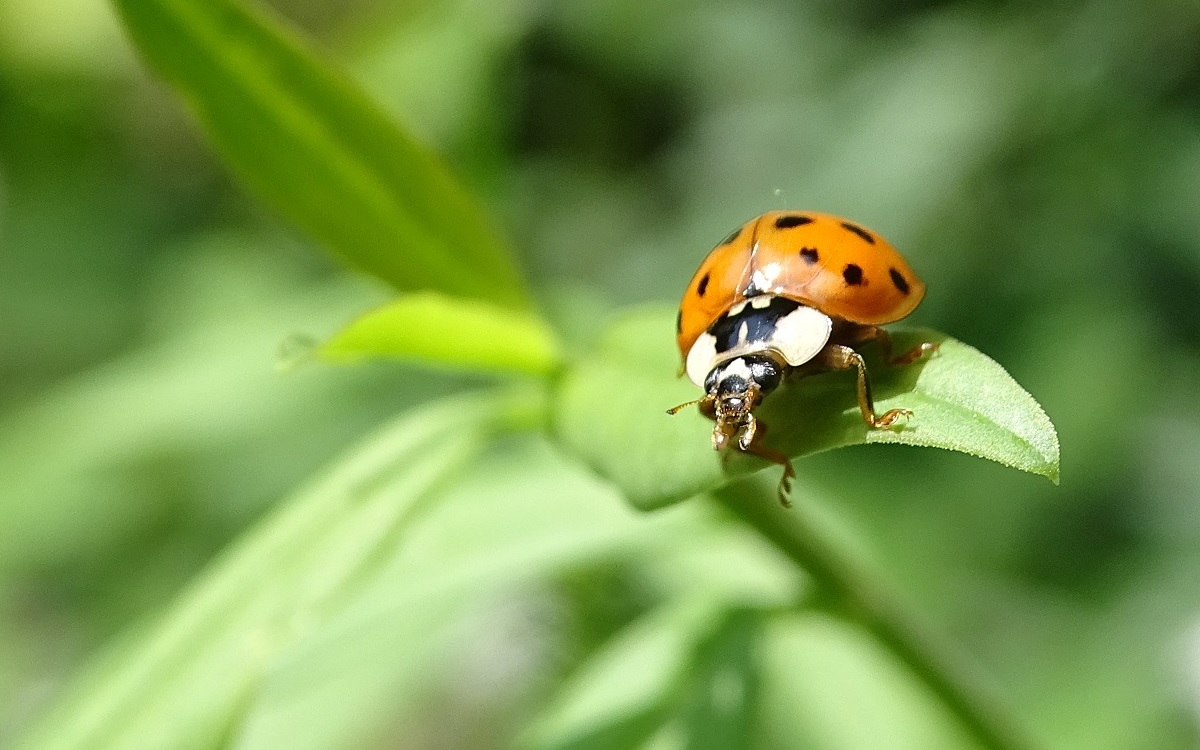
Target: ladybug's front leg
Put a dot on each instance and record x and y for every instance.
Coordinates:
(865, 334)
(838, 357)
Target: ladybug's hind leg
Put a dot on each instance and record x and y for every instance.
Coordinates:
(751, 442)
(838, 357)
(865, 334)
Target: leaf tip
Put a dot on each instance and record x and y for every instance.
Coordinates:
(1052, 471)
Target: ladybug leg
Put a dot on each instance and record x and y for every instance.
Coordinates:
(912, 355)
(838, 357)
(880, 335)
(751, 442)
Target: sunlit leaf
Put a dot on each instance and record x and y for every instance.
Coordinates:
(459, 333)
(311, 143)
(611, 411)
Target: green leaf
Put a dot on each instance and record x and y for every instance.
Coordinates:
(458, 333)
(184, 683)
(610, 410)
(279, 643)
(686, 671)
(311, 143)
(520, 514)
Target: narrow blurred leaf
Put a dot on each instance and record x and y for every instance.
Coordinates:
(185, 682)
(610, 411)
(519, 514)
(686, 671)
(311, 143)
(458, 333)
(279, 644)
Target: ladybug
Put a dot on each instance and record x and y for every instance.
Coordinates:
(786, 295)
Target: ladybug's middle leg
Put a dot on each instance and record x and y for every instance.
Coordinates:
(865, 334)
(838, 357)
(751, 442)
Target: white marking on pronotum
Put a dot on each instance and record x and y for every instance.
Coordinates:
(701, 358)
(761, 302)
(743, 333)
(801, 335)
(735, 368)
(736, 309)
(798, 337)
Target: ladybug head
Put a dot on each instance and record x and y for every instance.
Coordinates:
(734, 390)
(734, 415)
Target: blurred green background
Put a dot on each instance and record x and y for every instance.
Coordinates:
(1038, 164)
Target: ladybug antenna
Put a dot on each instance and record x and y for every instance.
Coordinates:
(676, 409)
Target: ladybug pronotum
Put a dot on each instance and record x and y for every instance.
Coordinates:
(786, 295)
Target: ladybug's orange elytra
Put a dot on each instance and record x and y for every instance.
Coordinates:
(825, 262)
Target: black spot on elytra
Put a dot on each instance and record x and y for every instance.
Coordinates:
(732, 236)
(859, 231)
(853, 275)
(899, 280)
(791, 220)
(809, 254)
(702, 287)
(679, 322)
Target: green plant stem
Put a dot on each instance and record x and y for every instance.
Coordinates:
(862, 598)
